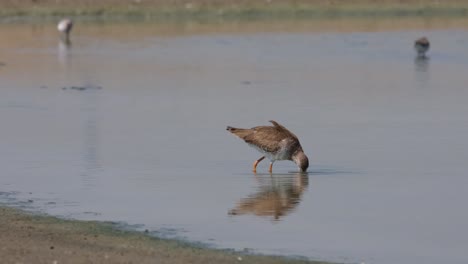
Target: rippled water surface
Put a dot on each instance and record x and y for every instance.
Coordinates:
(128, 124)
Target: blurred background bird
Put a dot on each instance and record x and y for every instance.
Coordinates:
(421, 46)
(64, 27)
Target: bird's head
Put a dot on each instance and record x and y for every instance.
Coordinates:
(301, 160)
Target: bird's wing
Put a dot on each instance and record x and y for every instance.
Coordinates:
(284, 130)
(269, 138)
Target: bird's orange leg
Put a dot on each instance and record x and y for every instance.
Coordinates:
(256, 163)
(270, 170)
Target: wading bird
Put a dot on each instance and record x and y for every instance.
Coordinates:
(421, 46)
(275, 142)
(64, 27)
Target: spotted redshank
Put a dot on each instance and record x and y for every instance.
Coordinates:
(421, 45)
(275, 142)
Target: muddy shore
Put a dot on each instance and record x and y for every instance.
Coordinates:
(30, 238)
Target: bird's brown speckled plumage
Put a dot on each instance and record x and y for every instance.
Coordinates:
(276, 142)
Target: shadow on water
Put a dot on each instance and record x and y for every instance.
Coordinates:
(277, 196)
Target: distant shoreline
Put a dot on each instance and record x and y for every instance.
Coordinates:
(32, 238)
(229, 9)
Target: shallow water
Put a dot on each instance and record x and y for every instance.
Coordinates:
(128, 124)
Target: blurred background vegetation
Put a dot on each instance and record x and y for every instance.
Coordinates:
(229, 9)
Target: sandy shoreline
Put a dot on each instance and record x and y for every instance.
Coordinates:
(30, 238)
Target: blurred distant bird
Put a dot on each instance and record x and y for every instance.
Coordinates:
(64, 27)
(275, 142)
(421, 46)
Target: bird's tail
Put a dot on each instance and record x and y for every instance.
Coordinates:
(240, 132)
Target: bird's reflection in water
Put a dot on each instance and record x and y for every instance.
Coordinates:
(421, 63)
(64, 47)
(421, 70)
(277, 196)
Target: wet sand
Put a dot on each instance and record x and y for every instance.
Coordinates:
(29, 238)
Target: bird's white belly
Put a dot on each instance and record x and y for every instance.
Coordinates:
(62, 26)
(282, 154)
